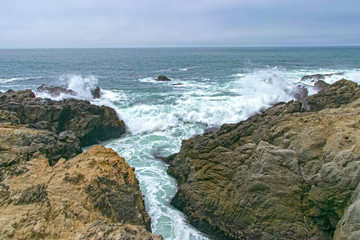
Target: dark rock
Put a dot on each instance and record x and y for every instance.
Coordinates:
(33, 194)
(284, 174)
(320, 85)
(162, 78)
(55, 91)
(88, 122)
(300, 94)
(316, 77)
(96, 92)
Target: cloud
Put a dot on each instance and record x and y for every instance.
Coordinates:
(110, 23)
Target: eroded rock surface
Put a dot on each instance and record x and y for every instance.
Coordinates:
(89, 123)
(287, 173)
(94, 195)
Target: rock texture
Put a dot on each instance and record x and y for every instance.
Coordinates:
(94, 195)
(56, 91)
(287, 173)
(163, 78)
(89, 123)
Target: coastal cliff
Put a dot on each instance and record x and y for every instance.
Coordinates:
(49, 189)
(287, 173)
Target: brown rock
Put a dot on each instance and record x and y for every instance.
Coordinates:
(283, 174)
(89, 123)
(92, 196)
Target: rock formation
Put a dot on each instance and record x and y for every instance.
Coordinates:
(89, 123)
(48, 190)
(94, 195)
(56, 91)
(317, 77)
(163, 78)
(286, 173)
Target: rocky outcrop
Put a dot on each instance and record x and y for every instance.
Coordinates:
(316, 77)
(94, 195)
(89, 123)
(287, 173)
(163, 78)
(56, 91)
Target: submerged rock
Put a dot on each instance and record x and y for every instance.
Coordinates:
(284, 174)
(163, 78)
(94, 195)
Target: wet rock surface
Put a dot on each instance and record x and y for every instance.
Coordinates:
(89, 123)
(288, 173)
(163, 78)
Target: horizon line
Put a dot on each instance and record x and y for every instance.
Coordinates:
(169, 47)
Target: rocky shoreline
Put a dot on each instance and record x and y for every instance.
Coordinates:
(49, 189)
(291, 172)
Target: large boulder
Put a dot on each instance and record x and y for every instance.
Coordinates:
(284, 174)
(94, 195)
(90, 123)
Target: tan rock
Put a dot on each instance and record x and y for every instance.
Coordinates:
(94, 195)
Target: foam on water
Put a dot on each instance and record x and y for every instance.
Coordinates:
(158, 127)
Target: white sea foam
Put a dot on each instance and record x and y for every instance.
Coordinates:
(148, 79)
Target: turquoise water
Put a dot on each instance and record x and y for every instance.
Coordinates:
(209, 87)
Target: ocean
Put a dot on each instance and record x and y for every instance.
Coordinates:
(209, 87)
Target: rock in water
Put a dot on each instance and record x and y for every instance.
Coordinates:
(94, 195)
(316, 77)
(55, 91)
(163, 78)
(89, 123)
(96, 92)
(284, 174)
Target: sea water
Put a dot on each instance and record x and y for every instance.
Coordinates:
(209, 87)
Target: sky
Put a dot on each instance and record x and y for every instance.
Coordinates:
(178, 23)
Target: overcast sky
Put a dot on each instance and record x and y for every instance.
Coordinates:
(173, 23)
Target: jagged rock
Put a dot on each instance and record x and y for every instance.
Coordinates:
(340, 93)
(55, 91)
(320, 85)
(18, 143)
(163, 78)
(94, 195)
(88, 122)
(96, 92)
(317, 77)
(284, 174)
